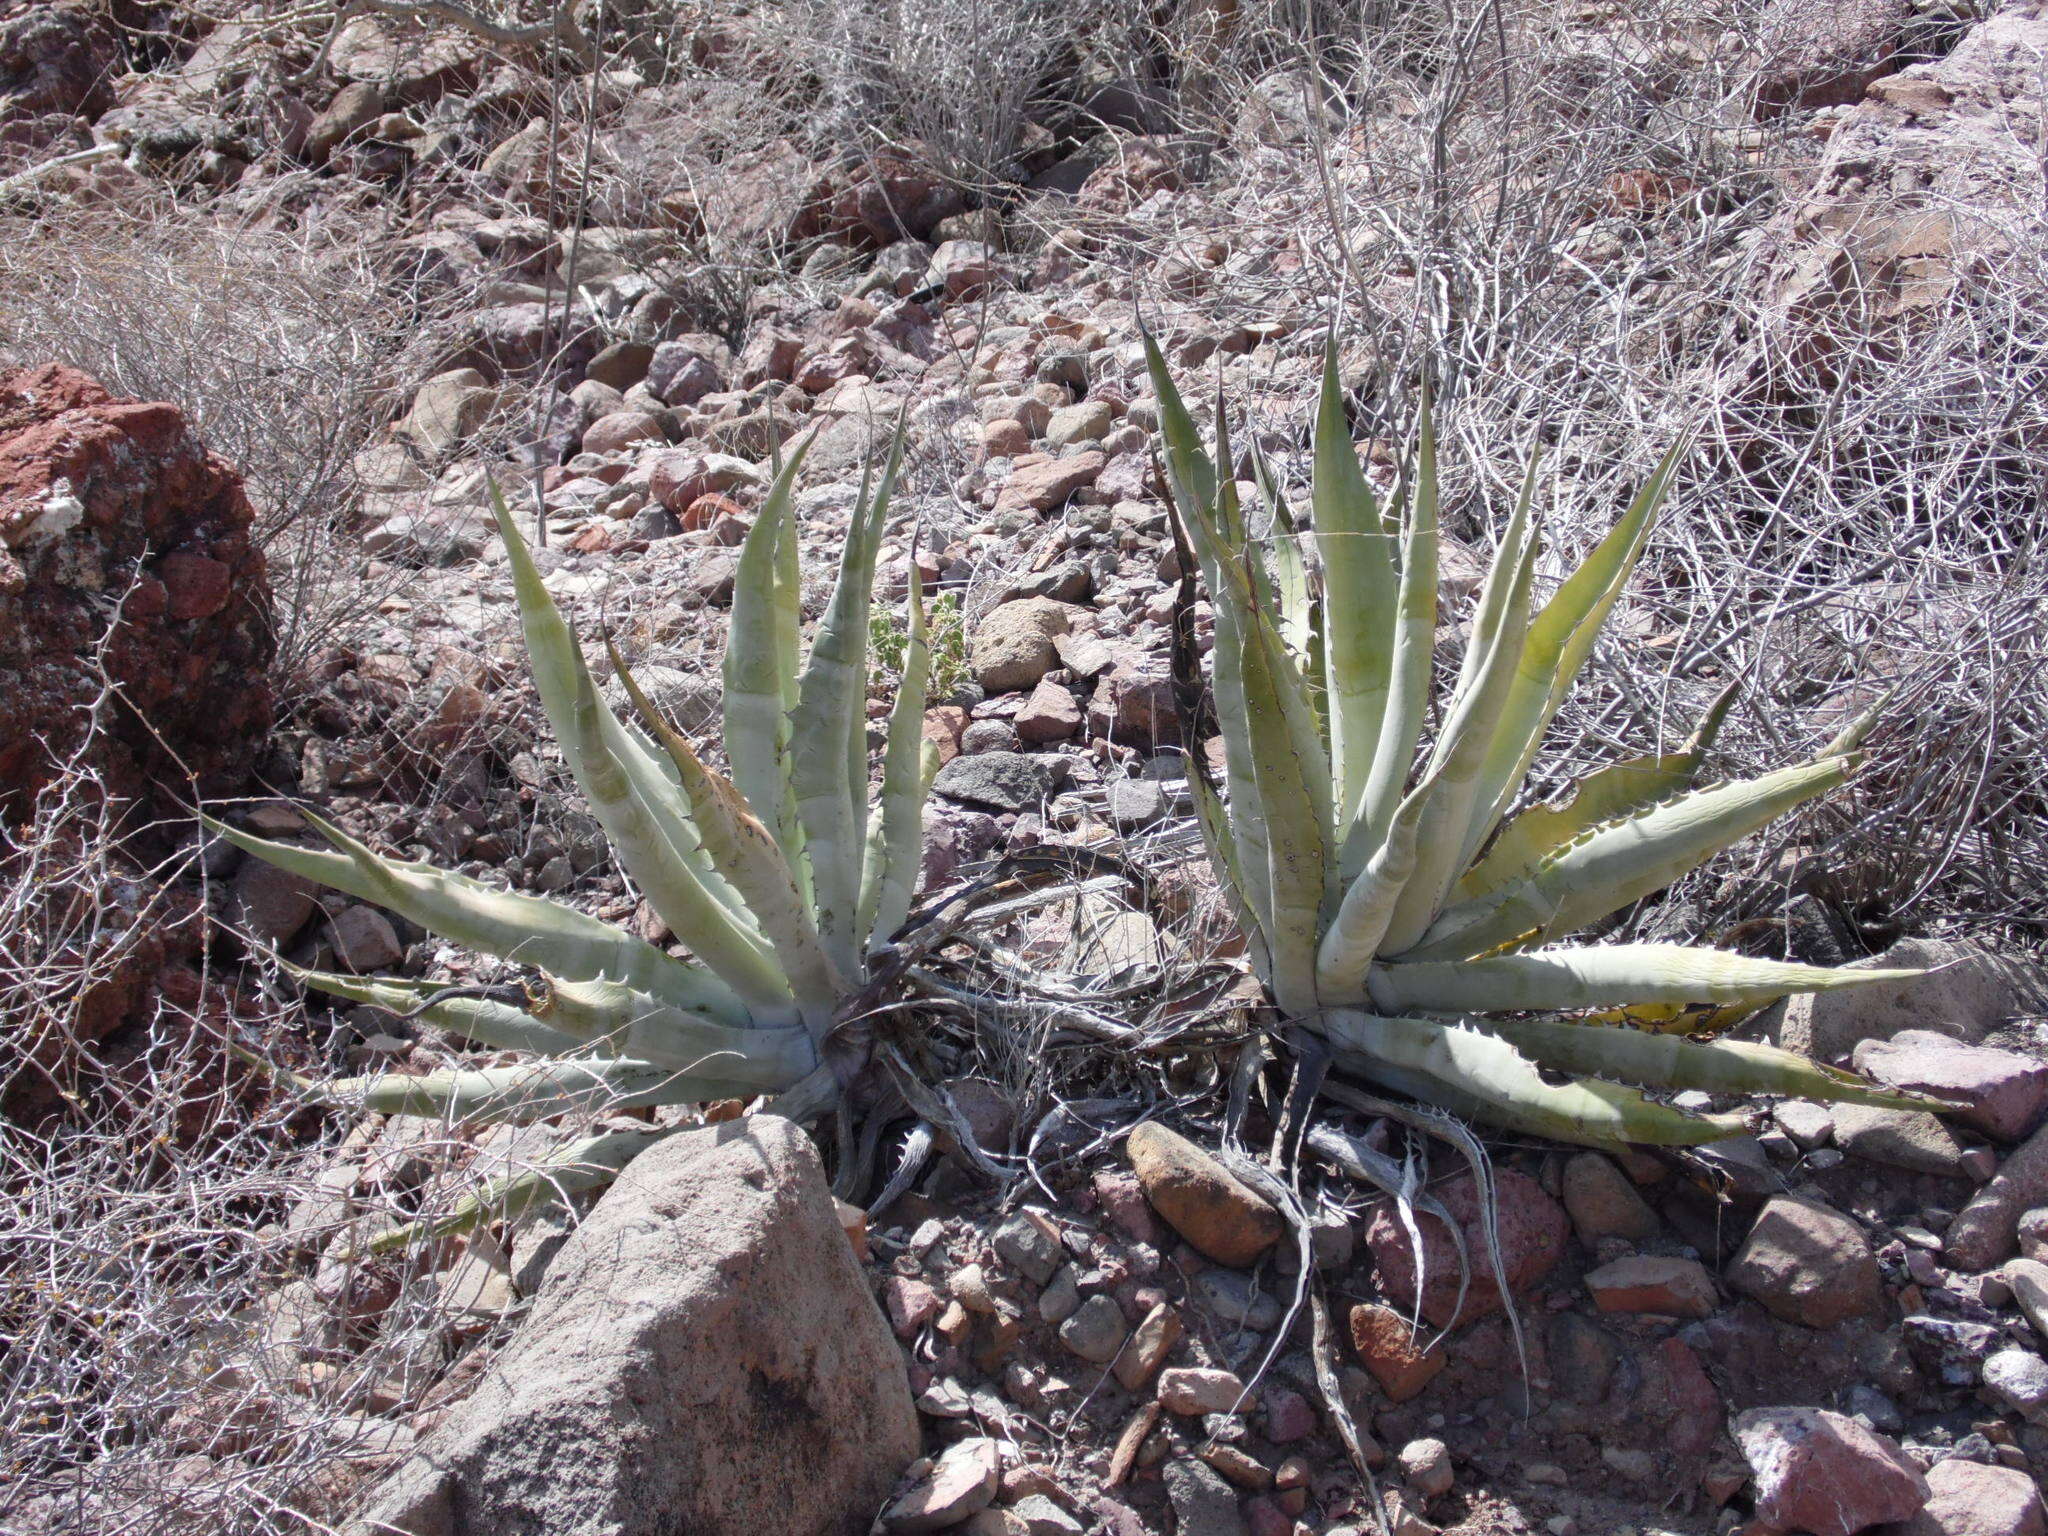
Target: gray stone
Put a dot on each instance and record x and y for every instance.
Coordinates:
(1027, 1247)
(1234, 1298)
(1013, 645)
(1062, 1298)
(1583, 1357)
(704, 1347)
(962, 1481)
(2017, 1380)
(1097, 1331)
(1972, 993)
(1202, 1501)
(447, 409)
(1951, 1348)
(1042, 1517)
(2028, 1280)
(364, 940)
(1986, 1231)
(1136, 803)
(1602, 1201)
(1899, 1138)
(1087, 422)
(1426, 1464)
(1809, 1125)
(1005, 781)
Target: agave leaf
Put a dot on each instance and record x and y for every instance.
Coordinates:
(623, 1022)
(1600, 976)
(536, 1090)
(760, 665)
(1461, 749)
(1298, 615)
(575, 1169)
(1607, 794)
(1189, 474)
(829, 745)
(641, 811)
(1297, 849)
(1192, 481)
(1471, 1072)
(1249, 580)
(1622, 861)
(473, 1018)
(1226, 857)
(896, 844)
(1354, 935)
(1361, 591)
(1560, 640)
(1503, 606)
(745, 853)
(1414, 645)
(526, 929)
(1718, 1066)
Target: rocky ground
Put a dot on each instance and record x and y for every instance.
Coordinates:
(1836, 1324)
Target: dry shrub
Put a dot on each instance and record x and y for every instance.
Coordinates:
(286, 350)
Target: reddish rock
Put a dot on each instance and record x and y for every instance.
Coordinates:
(1533, 1228)
(910, 1304)
(620, 430)
(1200, 1198)
(1289, 1416)
(706, 510)
(1694, 1405)
(942, 727)
(1134, 702)
(1972, 1499)
(1005, 439)
(1809, 1264)
(1052, 713)
(1387, 1347)
(1821, 55)
(878, 200)
(1647, 1283)
(1986, 1231)
(107, 498)
(1824, 1472)
(1123, 1202)
(1046, 485)
(2001, 1093)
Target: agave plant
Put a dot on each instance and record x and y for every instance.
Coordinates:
(781, 880)
(1395, 907)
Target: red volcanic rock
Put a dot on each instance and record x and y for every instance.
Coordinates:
(107, 502)
(1533, 1228)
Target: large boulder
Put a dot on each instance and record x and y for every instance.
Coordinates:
(114, 505)
(704, 1356)
(1966, 994)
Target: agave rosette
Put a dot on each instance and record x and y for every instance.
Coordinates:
(781, 880)
(1389, 899)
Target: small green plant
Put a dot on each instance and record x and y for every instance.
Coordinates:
(946, 635)
(782, 880)
(1396, 909)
